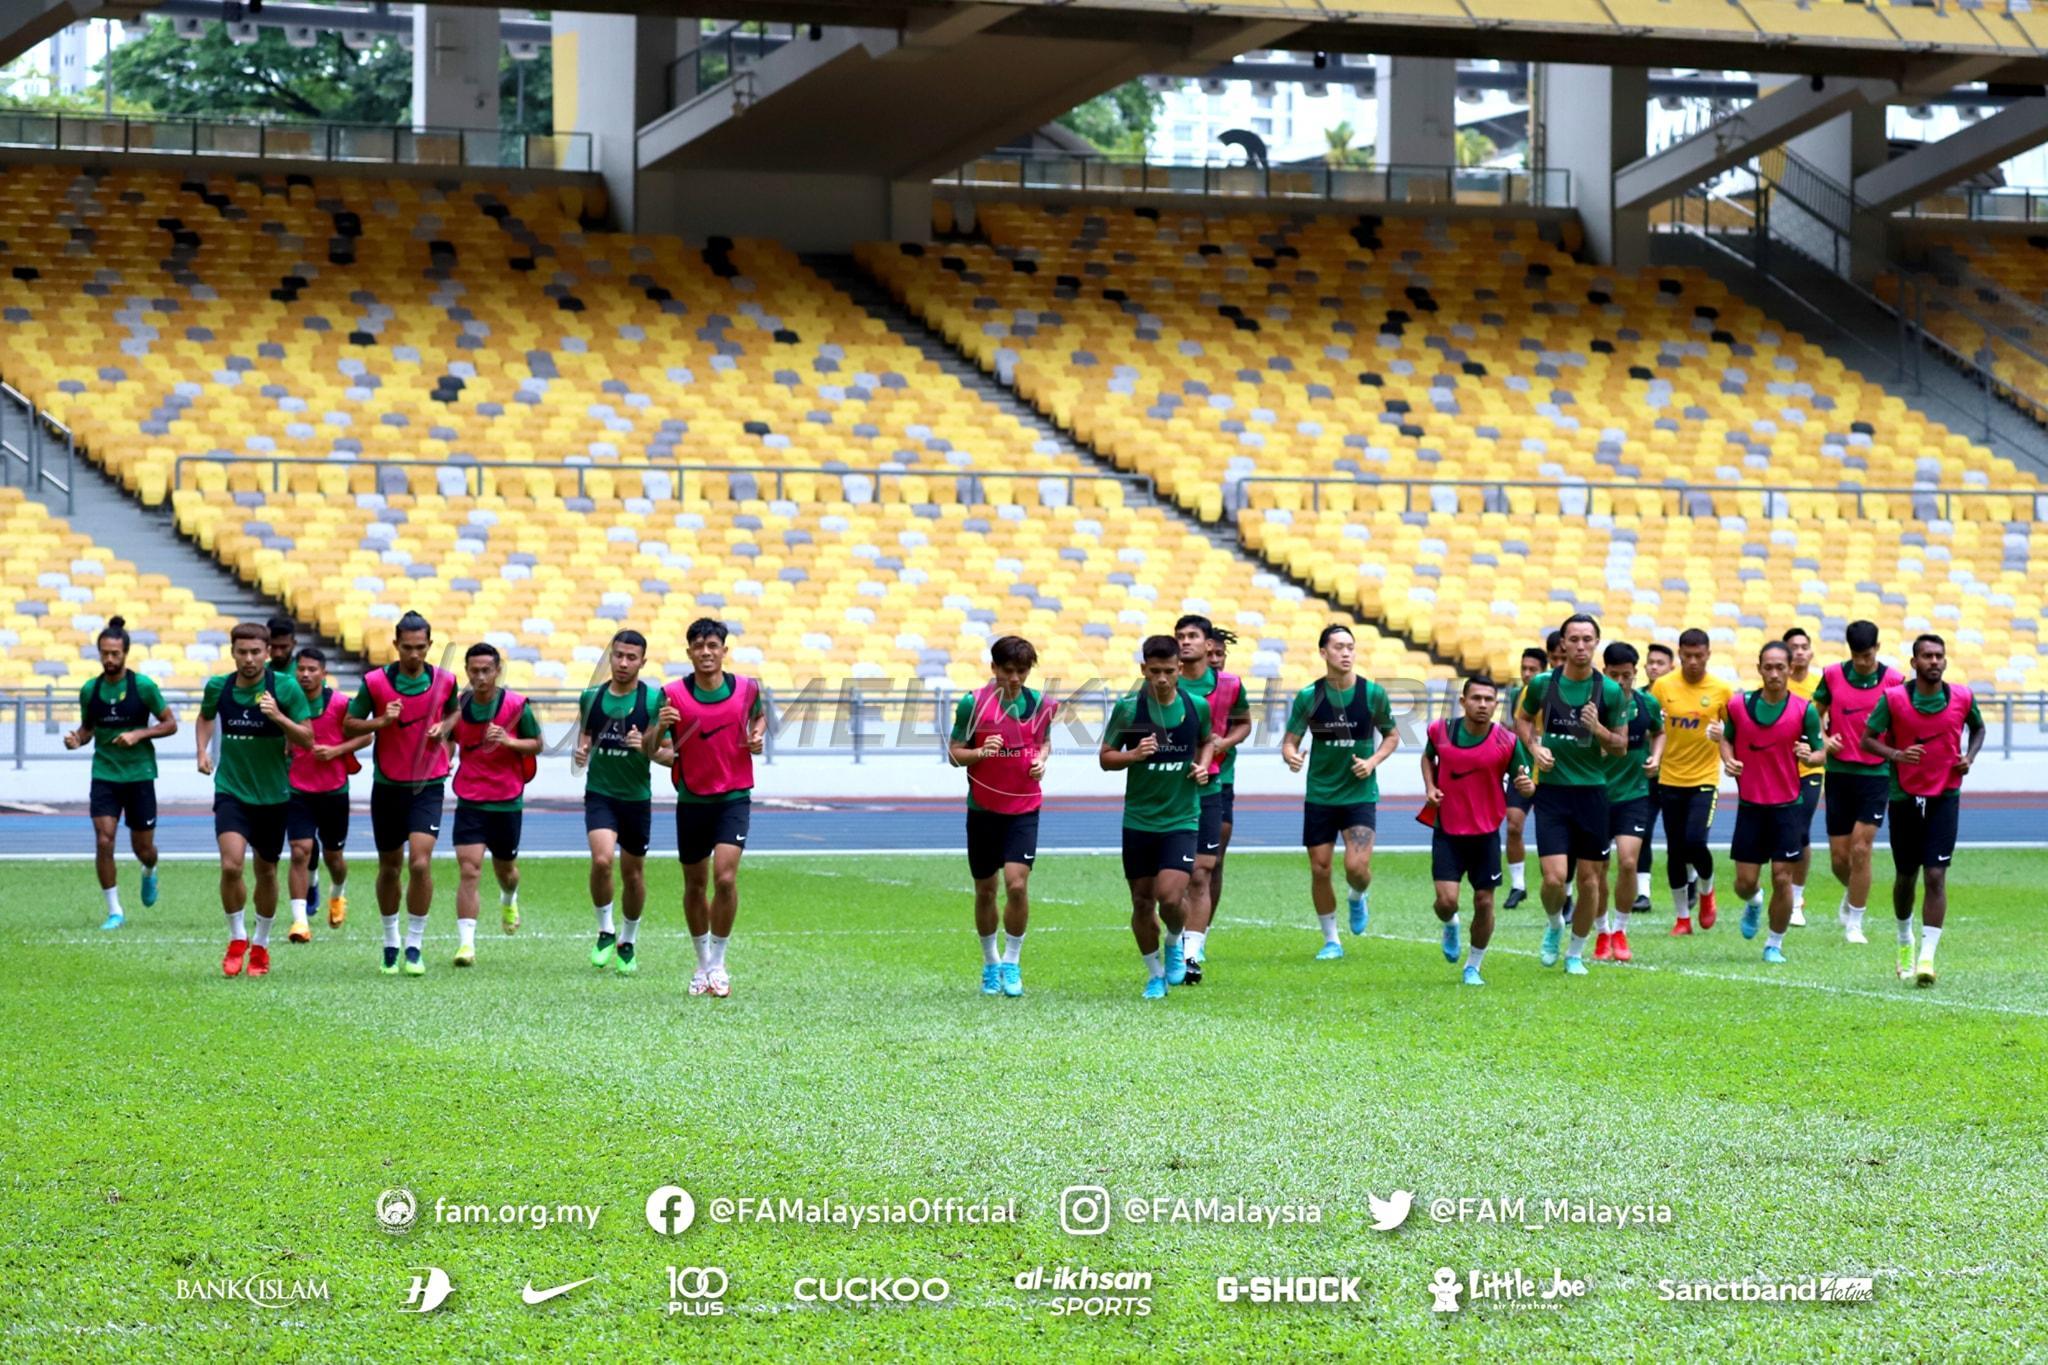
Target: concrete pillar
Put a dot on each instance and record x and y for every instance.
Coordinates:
(611, 77)
(1596, 120)
(1416, 102)
(1842, 149)
(454, 67)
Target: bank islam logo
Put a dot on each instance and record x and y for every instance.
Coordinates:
(396, 1210)
(1510, 1288)
(430, 1289)
(696, 1291)
(670, 1210)
(261, 1290)
(1391, 1212)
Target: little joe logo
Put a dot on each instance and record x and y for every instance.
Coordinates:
(1508, 1288)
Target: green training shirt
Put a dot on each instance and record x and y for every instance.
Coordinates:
(1159, 795)
(255, 769)
(526, 727)
(1330, 779)
(620, 773)
(111, 762)
(963, 722)
(1580, 761)
(724, 690)
(1626, 780)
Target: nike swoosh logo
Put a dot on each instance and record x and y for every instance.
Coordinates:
(1188, 859)
(1207, 847)
(706, 734)
(403, 722)
(1758, 748)
(531, 1295)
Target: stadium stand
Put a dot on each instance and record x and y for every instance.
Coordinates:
(1990, 303)
(62, 587)
(546, 399)
(1432, 363)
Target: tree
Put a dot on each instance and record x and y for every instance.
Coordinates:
(539, 73)
(269, 78)
(1119, 121)
(1475, 148)
(1342, 155)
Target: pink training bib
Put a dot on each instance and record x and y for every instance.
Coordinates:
(402, 751)
(1849, 707)
(711, 737)
(1941, 735)
(492, 772)
(1475, 801)
(309, 774)
(1004, 783)
(1770, 772)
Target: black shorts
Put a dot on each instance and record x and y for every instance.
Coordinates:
(319, 816)
(1147, 853)
(1209, 836)
(1768, 834)
(1465, 857)
(260, 827)
(995, 839)
(497, 830)
(399, 810)
(1517, 801)
(1571, 822)
(1226, 796)
(1630, 819)
(1857, 799)
(1322, 824)
(1809, 802)
(1924, 831)
(133, 801)
(702, 826)
(632, 821)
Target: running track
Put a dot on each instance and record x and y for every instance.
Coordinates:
(838, 825)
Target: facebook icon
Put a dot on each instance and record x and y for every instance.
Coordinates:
(670, 1210)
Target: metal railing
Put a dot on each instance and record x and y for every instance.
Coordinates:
(357, 143)
(721, 56)
(28, 438)
(1477, 185)
(483, 480)
(1587, 497)
(862, 718)
(2005, 204)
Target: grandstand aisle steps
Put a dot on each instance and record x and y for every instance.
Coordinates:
(1861, 334)
(147, 537)
(845, 275)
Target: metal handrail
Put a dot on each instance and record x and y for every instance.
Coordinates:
(1398, 183)
(582, 470)
(33, 455)
(1679, 494)
(368, 143)
(720, 57)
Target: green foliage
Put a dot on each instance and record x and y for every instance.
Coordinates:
(1120, 121)
(540, 93)
(269, 78)
(1342, 155)
(1475, 148)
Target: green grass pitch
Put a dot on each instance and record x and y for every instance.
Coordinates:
(1818, 1118)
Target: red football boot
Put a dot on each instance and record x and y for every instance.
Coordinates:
(1706, 910)
(1602, 949)
(259, 961)
(231, 965)
(1619, 947)
(1682, 928)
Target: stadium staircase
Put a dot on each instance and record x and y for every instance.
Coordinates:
(843, 273)
(147, 537)
(1780, 270)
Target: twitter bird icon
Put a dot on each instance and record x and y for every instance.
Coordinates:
(1388, 1214)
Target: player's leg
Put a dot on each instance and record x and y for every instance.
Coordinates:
(725, 909)
(1909, 843)
(231, 837)
(985, 867)
(312, 896)
(1699, 830)
(1866, 815)
(1943, 814)
(139, 810)
(1222, 854)
(1590, 817)
(1840, 823)
(1359, 828)
(601, 832)
(1809, 805)
(1446, 870)
(104, 829)
(1628, 853)
(299, 832)
(633, 902)
(1553, 859)
(1170, 890)
(1324, 896)
(1482, 927)
(697, 915)
(390, 809)
(1782, 870)
(470, 843)
(266, 847)
(1199, 904)
(1646, 856)
(332, 843)
(504, 829)
(419, 899)
(1145, 929)
(1518, 816)
(1020, 853)
(1674, 808)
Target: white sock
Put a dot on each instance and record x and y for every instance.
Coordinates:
(991, 952)
(1577, 947)
(1642, 884)
(1905, 932)
(390, 931)
(718, 952)
(1518, 878)
(1013, 949)
(1755, 902)
(1557, 918)
(336, 883)
(415, 931)
(1475, 957)
(629, 931)
(1681, 904)
(702, 943)
(298, 910)
(1194, 939)
(604, 918)
(509, 898)
(113, 898)
(1619, 920)
(1929, 936)
(1329, 923)
(465, 932)
(261, 938)
(1155, 966)
(1706, 886)
(1855, 914)
(235, 929)
(1173, 938)
(1798, 897)
(1774, 940)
